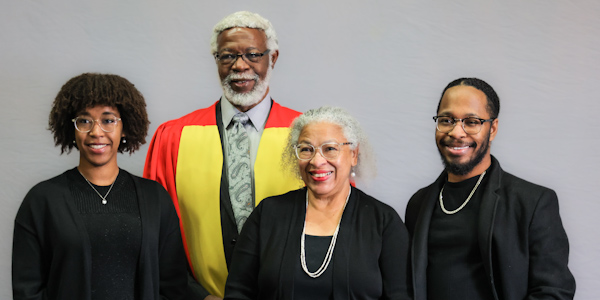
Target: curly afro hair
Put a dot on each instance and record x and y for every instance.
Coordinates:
(92, 89)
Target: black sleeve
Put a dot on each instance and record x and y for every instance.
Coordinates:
(549, 275)
(195, 289)
(29, 272)
(172, 259)
(394, 261)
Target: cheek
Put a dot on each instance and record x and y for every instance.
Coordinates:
(223, 72)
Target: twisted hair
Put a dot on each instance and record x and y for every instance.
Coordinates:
(353, 132)
(493, 101)
(92, 89)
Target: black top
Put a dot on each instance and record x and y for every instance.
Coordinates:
(115, 232)
(370, 260)
(455, 268)
(306, 287)
(52, 255)
(524, 247)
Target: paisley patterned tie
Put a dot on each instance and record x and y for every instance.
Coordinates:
(238, 170)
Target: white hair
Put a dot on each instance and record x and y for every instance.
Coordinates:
(245, 19)
(353, 132)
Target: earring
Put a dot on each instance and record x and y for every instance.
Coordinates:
(74, 142)
(352, 173)
(124, 141)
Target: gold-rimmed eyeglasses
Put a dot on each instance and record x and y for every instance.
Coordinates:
(85, 124)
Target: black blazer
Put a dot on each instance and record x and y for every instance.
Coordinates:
(370, 260)
(523, 243)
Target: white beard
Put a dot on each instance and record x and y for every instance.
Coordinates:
(252, 97)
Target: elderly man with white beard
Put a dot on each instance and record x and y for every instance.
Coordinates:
(218, 162)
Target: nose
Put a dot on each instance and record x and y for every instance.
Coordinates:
(240, 65)
(96, 130)
(458, 130)
(318, 159)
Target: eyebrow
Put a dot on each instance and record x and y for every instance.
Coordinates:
(231, 50)
(448, 114)
(85, 113)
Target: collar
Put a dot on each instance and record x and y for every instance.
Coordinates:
(258, 114)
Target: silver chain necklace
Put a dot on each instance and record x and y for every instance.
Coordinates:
(95, 190)
(464, 203)
(329, 254)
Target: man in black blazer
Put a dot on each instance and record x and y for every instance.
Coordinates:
(477, 231)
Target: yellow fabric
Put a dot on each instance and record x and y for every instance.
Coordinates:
(200, 158)
(199, 168)
(269, 177)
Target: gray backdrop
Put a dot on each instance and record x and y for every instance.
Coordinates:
(384, 61)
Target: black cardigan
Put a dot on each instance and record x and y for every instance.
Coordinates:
(51, 248)
(370, 260)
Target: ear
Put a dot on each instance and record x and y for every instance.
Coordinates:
(274, 57)
(493, 129)
(355, 156)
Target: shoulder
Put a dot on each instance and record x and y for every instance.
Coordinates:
(203, 116)
(283, 202)
(284, 110)
(419, 196)
(281, 116)
(53, 185)
(513, 184)
(44, 194)
(151, 188)
(368, 205)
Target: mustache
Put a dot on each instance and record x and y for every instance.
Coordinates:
(240, 76)
(452, 142)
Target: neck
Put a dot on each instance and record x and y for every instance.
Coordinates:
(102, 176)
(331, 203)
(477, 170)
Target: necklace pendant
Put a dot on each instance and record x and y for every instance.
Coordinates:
(104, 201)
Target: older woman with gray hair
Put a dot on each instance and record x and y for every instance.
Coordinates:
(328, 240)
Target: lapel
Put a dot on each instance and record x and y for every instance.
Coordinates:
(421, 235)
(291, 249)
(487, 215)
(341, 254)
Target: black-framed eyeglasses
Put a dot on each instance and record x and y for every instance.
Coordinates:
(471, 125)
(85, 124)
(327, 150)
(230, 58)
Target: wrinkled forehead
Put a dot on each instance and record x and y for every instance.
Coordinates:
(318, 133)
(241, 37)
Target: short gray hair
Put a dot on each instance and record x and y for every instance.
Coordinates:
(353, 132)
(245, 19)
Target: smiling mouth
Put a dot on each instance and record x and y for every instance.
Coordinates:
(96, 146)
(320, 175)
(459, 148)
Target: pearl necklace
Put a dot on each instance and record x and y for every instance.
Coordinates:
(329, 254)
(464, 203)
(95, 190)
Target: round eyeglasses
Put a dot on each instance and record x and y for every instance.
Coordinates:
(471, 125)
(230, 58)
(85, 124)
(327, 150)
